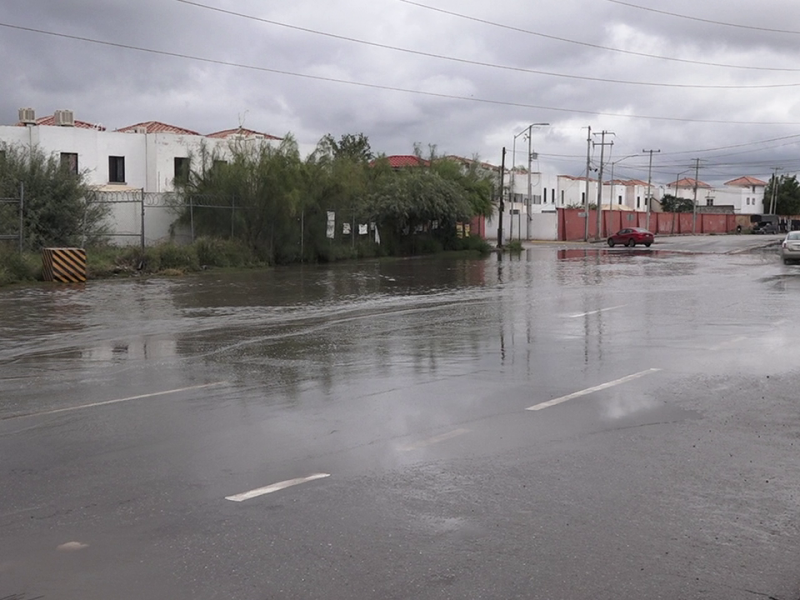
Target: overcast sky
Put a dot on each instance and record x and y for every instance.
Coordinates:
(718, 81)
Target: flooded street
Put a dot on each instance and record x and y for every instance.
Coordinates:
(566, 423)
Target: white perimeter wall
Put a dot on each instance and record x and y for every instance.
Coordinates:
(543, 226)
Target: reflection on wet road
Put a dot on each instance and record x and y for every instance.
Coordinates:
(391, 396)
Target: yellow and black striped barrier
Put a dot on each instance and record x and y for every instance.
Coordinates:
(67, 265)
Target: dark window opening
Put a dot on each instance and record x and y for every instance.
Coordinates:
(181, 169)
(116, 169)
(69, 162)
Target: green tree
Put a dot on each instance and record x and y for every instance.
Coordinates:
(353, 146)
(253, 196)
(416, 200)
(60, 209)
(671, 203)
(476, 186)
(787, 199)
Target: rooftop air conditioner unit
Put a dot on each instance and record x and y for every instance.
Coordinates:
(27, 116)
(64, 118)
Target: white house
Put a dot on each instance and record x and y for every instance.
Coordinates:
(744, 194)
(131, 162)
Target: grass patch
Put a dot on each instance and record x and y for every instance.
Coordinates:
(16, 267)
(514, 247)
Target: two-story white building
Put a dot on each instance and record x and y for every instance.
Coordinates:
(744, 195)
(144, 158)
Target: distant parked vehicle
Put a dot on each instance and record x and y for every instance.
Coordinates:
(790, 248)
(631, 236)
(765, 227)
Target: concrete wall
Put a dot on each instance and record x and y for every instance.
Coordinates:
(544, 226)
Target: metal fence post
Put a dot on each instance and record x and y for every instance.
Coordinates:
(21, 215)
(142, 219)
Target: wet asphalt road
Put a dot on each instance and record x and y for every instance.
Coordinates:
(659, 460)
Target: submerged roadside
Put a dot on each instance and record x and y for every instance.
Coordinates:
(171, 260)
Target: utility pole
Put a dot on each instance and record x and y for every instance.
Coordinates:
(649, 184)
(602, 145)
(586, 194)
(694, 198)
(502, 204)
(773, 205)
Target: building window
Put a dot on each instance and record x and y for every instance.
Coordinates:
(544, 194)
(583, 197)
(181, 169)
(709, 202)
(69, 162)
(116, 169)
(638, 201)
(562, 197)
(619, 199)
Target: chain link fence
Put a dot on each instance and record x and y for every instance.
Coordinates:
(12, 213)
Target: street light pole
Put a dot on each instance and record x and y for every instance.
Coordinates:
(527, 131)
(611, 200)
(530, 190)
(649, 184)
(586, 193)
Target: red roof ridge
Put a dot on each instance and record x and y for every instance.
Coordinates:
(688, 182)
(225, 133)
(400, 161)
(157, 127)
(746, 181)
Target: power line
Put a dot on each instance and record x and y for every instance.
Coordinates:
(590, 45)
(711, 21)
(392, 88)
(481, 63)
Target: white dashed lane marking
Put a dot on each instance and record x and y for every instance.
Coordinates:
(597, 388)
(282, 485)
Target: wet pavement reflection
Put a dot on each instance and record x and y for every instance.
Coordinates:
(131, 410)
(359, 328)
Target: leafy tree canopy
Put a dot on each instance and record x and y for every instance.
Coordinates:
(787, 190)
(59, 206)
(671, 203)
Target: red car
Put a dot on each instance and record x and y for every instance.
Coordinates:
(631, 236)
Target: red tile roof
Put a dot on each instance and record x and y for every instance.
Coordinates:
(158, 127)
(51, 121)
(400, 161)
(746, 181)
(248, 133)
(688, 182)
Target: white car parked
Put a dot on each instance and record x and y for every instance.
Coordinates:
(790, 248)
